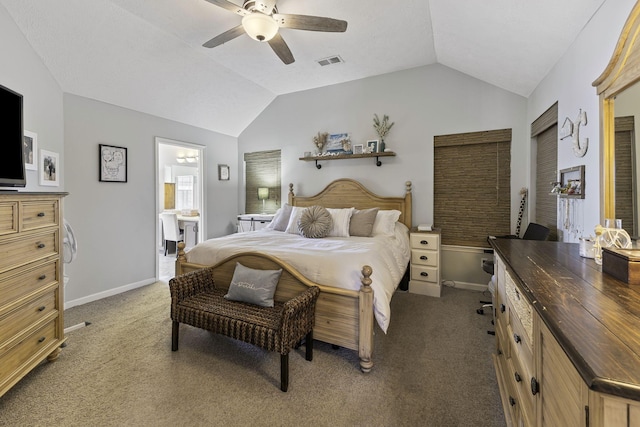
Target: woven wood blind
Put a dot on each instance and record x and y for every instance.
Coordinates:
(546, 208)
(262, 169)
(472, 186)
(624, 189)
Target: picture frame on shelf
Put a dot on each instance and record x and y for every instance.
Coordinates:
(30, 148)
(373, 144)
(113, 163)
(223, 173)
(358, 149)
(335, 143)
(49, 166)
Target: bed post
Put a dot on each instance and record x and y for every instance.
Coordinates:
(181, 258)
(291, 194)
(408, 205)
(365, 345)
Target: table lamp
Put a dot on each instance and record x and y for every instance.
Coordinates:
(263, 194)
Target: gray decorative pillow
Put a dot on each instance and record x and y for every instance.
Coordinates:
(315, 222)
(281, 221)
(361, 224)
(253, 286)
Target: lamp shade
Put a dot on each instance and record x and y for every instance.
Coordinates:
(263, 193)
(259, 26)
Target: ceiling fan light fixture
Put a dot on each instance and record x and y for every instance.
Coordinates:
(260, 27)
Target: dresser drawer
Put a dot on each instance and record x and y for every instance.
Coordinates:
(521, 347)
(18, 252)
(8, 218)
(424, 241)
(27, 315)
(521, 379)
(24, 281)
(38, 214)
(422, 257)
(424, 273)
(27, 350)
(520, 306)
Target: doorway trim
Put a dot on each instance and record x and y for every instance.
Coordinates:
(201, 164)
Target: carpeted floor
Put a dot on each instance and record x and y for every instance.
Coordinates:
(433, 368)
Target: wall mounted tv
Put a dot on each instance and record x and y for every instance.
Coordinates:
(12, 171)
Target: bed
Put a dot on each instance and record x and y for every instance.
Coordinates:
(359, 292)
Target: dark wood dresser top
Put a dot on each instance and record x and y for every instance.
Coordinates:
(593, 316)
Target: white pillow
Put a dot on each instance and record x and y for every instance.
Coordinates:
(272, 223)
(385, 223)
(292, 226)
(341, 218)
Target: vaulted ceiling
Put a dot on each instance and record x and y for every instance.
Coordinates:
(147, 55)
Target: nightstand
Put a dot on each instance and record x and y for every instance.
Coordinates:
(253, 222)
(425, 262)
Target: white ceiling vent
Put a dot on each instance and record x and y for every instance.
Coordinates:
(330, 60)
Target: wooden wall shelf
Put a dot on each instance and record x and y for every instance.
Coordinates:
(348, 156)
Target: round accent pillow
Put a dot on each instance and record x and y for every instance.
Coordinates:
(315, 222)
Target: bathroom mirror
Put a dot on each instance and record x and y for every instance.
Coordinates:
(615, 86)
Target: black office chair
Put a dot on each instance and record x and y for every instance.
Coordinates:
(533, 232)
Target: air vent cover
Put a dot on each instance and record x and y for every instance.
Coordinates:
(330, 60)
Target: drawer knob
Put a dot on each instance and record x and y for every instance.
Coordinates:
(502, 308)
(517, 338)
(424, 273)
(41, 214)
(535, 386)
(424, 257)
(41, 308)
(512, 401)
(44, 276)
(517, 377)
(41, 245)
(41, 339)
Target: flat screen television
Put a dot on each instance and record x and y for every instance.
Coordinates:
(12, 171)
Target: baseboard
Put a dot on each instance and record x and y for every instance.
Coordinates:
(466, 285)
(424, 288)
(105, 294)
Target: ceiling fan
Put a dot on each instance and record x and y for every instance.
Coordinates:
(261, 21)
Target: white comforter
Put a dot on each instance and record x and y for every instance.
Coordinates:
(331, 261)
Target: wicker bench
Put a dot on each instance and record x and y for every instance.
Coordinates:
(197, 302)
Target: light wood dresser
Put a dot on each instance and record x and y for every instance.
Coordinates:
(31, 290)
(425, 262)
(567, 338)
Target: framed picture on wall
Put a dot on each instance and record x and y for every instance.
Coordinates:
(49, 164)
(30, 148)
(223, 172)
(113, 163)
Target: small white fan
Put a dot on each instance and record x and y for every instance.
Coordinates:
(69, 244)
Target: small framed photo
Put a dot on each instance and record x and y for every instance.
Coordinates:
(358, 148)
(223, 172)
(113, 163)
(373, 145)
(49, 163)
(30, 148)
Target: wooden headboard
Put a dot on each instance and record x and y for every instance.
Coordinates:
(347, 193)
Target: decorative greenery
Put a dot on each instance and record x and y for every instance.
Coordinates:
(382, 127)
(320, 140)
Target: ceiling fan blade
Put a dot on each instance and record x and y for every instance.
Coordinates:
(232, 7)
(281, 49)
(310, 23)
(225, 37)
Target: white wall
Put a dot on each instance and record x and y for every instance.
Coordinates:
(23, 71)
(115, 223)
(423, 102)
(569, 83)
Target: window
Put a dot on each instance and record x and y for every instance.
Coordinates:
(262, 170)
(186, 192)
(472, 186)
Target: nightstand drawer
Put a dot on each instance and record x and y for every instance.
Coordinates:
(424, 274)
(422, 257)
(424, 241)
